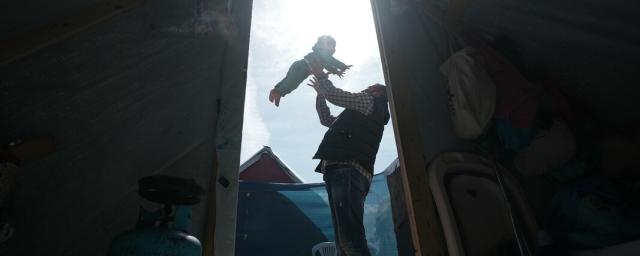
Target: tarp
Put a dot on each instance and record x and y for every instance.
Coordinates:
(289, 219)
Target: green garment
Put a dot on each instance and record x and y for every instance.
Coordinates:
(299, 70)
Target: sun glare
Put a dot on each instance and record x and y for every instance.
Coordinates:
(350, 22)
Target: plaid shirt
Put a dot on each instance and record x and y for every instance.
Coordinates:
(361, 102)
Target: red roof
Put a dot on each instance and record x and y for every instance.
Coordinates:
(267, 167)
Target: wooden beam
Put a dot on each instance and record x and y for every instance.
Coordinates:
(210, 219)
(232, 84)
(455, 10)
(425, 226)
(29, 42)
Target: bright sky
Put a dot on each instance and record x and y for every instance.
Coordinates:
(283, 31)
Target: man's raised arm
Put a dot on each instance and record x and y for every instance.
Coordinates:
(324, 113)
(361, 102)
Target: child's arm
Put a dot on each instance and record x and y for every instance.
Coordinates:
(331, 61)
(334, 66)
(340, 73)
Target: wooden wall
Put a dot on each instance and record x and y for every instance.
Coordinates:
(140, 94)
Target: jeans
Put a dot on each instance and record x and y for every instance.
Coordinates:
(298, 72)
(347, 189)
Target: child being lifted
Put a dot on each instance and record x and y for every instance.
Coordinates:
(299, 71)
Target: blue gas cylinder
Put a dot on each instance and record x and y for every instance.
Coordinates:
(163, 232)
(155, 241)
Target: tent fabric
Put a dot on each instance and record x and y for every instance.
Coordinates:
(289, 219)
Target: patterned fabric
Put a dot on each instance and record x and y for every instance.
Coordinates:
(361, 102)
(324, 113)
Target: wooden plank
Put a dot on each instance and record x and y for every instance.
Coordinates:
(31, 41)
(208, 242)
(210, 219)
(401, 223)
(425, 226)
(232, 84)
(455, 10)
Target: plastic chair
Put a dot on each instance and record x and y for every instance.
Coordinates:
(463, 181)
(329, 249)
(325, 249)
(372, 249)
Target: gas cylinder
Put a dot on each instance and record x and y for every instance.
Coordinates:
(163, 231)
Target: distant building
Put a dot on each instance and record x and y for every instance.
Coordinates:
(265, 166)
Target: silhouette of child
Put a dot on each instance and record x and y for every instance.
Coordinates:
(299, 71)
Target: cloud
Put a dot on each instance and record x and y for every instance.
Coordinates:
(254, 132)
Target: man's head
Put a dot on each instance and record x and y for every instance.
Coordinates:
(326, 43)
(377, 90)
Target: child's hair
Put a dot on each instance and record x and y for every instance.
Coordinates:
(321, 40)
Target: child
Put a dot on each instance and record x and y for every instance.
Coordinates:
(323, 53)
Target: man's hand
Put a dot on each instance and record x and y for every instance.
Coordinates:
(315, 67)
(274, 97)
(314, 84)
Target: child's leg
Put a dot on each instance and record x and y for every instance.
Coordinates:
(297, 73)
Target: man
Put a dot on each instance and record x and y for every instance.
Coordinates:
(347, 153)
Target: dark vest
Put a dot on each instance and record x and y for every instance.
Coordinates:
(355, 136)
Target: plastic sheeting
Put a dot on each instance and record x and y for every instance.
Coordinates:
(289, 219)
